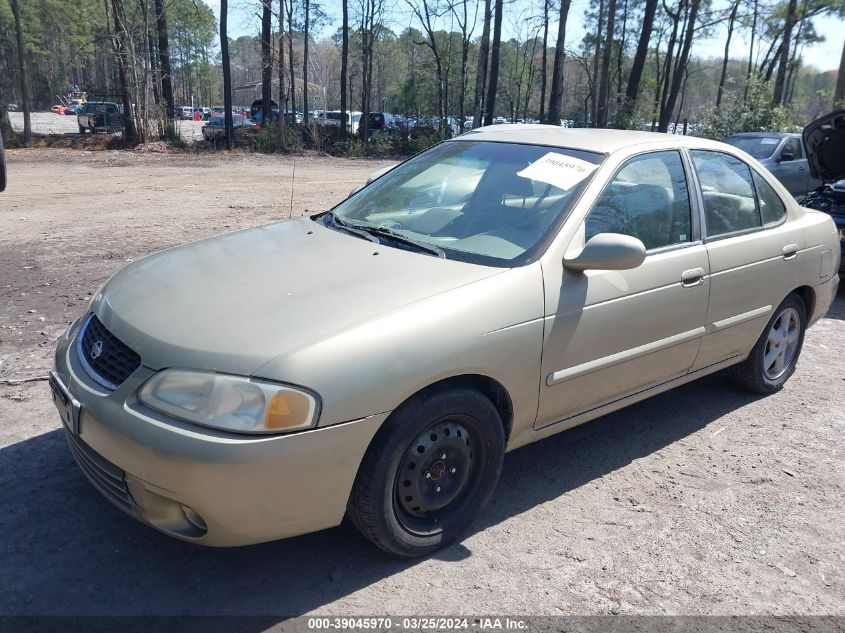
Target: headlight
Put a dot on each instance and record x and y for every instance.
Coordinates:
(230, 403)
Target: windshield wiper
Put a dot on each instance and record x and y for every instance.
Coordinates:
(372, 233)
(390, 234)
(352, 230)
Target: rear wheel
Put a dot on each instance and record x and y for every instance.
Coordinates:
(429, 472)
(81, 128)
(774, 357)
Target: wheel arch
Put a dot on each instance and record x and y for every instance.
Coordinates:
(808, 296)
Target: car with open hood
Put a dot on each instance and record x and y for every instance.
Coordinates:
(377, 360)
(825, 141)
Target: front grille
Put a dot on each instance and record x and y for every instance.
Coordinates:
(105, 357)
(105, 476)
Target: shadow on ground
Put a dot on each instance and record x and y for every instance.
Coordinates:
(65, 550)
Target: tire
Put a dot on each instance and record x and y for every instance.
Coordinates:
(81, 129)
(769, 366)
(396, 500)
(2, 166)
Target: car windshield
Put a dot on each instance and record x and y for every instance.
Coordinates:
(484, 202)
(757, 146)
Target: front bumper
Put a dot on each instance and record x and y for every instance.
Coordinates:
(244, 489)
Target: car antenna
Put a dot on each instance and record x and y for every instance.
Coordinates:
(292, 179)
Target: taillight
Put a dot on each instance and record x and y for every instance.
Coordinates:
(384, 126)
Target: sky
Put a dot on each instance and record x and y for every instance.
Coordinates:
(244, 20)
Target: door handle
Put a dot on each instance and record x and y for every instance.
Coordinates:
(692, 277)
(790, 251)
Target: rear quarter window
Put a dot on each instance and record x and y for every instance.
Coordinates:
(772, 208)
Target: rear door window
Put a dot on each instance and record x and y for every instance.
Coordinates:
(727, 188)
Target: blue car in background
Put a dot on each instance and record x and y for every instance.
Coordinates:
(825, 142)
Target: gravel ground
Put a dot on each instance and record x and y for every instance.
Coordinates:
(51, 123)
(704, 500)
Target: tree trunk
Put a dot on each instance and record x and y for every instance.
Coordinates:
(544, 68)
(556, 92)
(481, 69)
(344, 68)
(750, 54)
(723, 76)
(493, 84)
(839, 92)
(227, 73)
(620, 53)
(680, 67)
(266, 65)
(24, 75)
(604, 84)
(633, 89)
(164, 66)
(305, 62)
(119, 41)
(282, 141)
(594, 102)
(783, 63)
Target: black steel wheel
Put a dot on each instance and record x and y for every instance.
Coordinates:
(428, 473)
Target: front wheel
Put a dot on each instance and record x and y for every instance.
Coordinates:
(774, 357)
(429, 472)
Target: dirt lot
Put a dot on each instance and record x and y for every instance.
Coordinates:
(704, 500)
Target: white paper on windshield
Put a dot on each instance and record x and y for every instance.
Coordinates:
(558, 170)
(769, 141)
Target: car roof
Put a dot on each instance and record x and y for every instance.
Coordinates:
(764, 134)
(602, 141)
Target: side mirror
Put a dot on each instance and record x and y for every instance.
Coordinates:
(607, 251)
(378, 174)
(786, 156)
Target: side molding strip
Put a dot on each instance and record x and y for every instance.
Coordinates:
(739, 318)
(619, 357)
(654, 346)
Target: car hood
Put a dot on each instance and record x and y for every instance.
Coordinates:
(234, 302)
(825, 143)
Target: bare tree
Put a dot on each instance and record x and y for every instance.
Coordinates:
(424, 12)
(725, 59)
(556, 93)
(839, 92)
(24, 72)
(462, 18)
(594, 102)
(544, 62)
(632, 90)
(778, 96)
(266, 65)
(678, 74)
(305, 62)
(481, 68)
(344, 67)
(493, 84)
(750, 53)
(164, 66)
(227, 73)
(604, 83)
(119, 40)
(282, 144)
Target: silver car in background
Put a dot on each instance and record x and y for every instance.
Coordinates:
(377, 360)
(783, 154)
